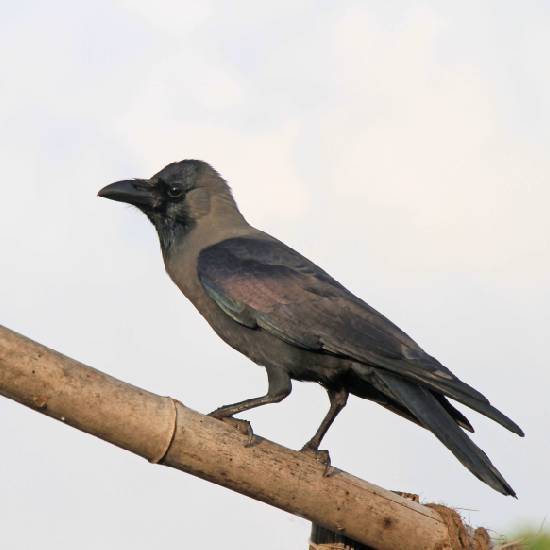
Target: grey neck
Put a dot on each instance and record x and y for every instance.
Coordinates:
(220, 220)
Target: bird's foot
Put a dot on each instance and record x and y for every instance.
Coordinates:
(242, 426)
(321, 456)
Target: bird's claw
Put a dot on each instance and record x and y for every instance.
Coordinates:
(242, 426)
(321, 456)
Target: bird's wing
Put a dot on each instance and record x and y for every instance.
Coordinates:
(262, 283)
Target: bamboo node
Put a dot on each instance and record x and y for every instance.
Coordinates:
(174, 424)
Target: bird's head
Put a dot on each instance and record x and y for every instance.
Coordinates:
(174, 199)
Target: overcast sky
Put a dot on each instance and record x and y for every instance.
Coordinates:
(403, 146)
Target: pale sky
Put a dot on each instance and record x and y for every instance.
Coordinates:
(403, 146)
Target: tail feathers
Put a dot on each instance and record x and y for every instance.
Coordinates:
(458, 417)
(434, 416)
(431, 374)
(480, 405)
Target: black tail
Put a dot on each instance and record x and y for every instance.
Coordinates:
(434, 416)
(478, 402)
(433, 375)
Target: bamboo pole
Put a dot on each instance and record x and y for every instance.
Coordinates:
(164, 431)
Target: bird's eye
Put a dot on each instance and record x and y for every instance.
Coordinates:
(174, 192)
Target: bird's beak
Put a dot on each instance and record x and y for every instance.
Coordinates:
(136, 192)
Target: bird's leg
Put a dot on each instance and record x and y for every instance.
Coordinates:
(279, 387)
(338, 399)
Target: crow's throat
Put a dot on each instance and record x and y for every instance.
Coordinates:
(170, 230)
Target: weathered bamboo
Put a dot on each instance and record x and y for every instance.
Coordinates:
(162, 430)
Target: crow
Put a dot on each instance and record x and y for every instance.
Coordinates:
(285, 313)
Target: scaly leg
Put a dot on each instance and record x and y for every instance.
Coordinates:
(279, 387)
(338, 399)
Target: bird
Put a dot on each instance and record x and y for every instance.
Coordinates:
(288, 315)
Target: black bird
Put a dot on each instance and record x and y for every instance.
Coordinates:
(285, 313)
